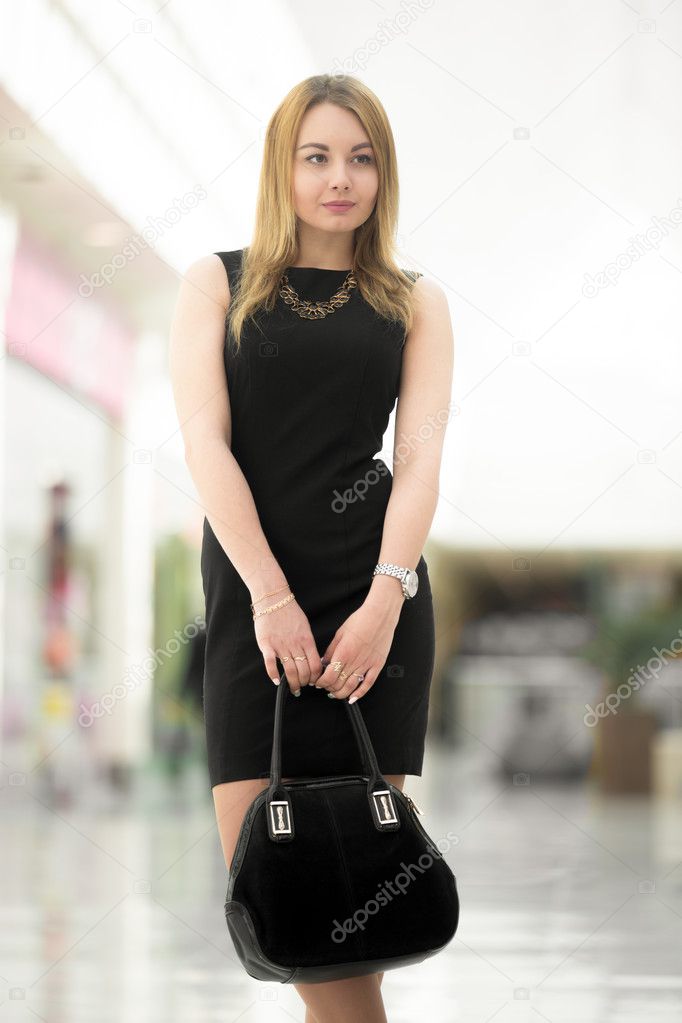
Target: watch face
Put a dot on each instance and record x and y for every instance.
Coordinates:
(412, 583)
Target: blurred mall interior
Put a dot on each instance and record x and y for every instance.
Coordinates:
(130, 146)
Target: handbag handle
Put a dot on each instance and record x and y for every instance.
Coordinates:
(379, 796)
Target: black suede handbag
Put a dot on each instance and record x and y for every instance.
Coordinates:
(335, 877)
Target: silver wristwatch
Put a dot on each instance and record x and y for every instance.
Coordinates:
(409, 580)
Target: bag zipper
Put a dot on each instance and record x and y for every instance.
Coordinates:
(413, 804)
(338, 779)
(260, 800)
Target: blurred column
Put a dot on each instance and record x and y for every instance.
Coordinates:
(8, 240)
(124, 732)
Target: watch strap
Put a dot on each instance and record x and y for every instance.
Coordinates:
(388, 568)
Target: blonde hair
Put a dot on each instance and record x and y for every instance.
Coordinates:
(274, 243)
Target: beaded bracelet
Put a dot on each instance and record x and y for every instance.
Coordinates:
(273, 607)
(268, 594)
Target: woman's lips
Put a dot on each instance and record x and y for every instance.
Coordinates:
(339, 207)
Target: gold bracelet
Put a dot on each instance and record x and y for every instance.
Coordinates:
(273, 607)
(269, 594)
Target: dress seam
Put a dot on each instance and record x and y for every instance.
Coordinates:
(345, 463)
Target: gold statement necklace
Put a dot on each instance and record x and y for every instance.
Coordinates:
(316, 310)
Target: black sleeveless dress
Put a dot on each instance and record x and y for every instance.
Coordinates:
(310, 403)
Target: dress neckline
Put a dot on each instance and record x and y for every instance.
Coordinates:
(321, 269)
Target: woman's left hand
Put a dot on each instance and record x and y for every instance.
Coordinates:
(361, 644)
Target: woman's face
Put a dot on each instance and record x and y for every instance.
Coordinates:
(333, 161)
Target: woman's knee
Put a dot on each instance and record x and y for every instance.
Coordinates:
(232, 799)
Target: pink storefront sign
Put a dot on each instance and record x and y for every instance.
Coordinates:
(82, 343)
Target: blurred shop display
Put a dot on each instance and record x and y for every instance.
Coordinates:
(666, 764)
(637, 715)
(517, 687)
(59, 653)
(85, 346)
(71, 357)
(179, 638)
(568, 671)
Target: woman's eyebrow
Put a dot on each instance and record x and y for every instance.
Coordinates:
(321, 145)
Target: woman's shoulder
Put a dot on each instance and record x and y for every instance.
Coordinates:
(216, 272)
(231, 258)
(213, 276)
(428, 288)
(232, 261)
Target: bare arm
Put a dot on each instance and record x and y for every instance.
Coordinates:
(421, 419)
(203, 406)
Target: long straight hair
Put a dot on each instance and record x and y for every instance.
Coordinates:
(274, 243)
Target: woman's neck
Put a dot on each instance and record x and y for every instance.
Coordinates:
(333, 252)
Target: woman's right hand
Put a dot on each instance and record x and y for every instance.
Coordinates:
(286, 633)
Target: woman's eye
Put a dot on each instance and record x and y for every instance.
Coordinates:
(365, 157)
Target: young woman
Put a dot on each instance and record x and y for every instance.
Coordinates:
(312, 549)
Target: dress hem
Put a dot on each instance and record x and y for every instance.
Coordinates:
(406, 761)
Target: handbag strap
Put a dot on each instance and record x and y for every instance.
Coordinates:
(379, 796)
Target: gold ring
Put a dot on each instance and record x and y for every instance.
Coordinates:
(283, 659)
(358, 674)
(337, 666)
(300, 658)
(343, 675)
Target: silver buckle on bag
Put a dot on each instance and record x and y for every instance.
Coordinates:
(279, 817)
(383, 801)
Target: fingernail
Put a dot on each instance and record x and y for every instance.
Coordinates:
(331, 696)
(297, 693)
(276, 681)
(352, 699)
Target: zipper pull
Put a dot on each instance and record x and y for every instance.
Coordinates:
(413, 804)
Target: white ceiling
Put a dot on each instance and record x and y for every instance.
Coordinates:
(535, 142)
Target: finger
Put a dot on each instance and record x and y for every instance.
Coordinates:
(326, 676)
(302, 667)
(365, 686)
(328, 654)
(291, 671)
(330, 676)
(344, 682)
(324, 664)
(269, 657)
(313, 658)
(351, 683)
